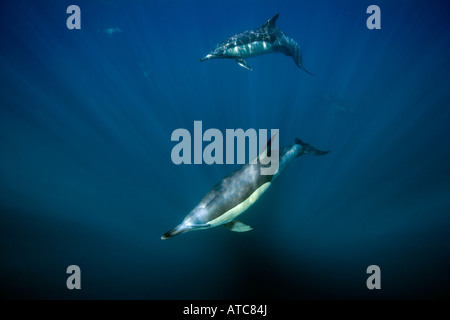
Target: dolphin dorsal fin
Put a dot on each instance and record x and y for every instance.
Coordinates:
(267, 149)
(271, 23)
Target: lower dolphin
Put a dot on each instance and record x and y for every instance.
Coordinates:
(237, 192)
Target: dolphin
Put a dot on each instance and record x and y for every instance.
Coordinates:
(110, 31)
(237, 192)
(267, 39)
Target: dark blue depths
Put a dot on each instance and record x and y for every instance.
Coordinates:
(86, 176)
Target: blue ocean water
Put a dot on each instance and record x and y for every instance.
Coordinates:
(86, 176)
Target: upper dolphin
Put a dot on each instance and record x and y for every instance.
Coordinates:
(266, 39)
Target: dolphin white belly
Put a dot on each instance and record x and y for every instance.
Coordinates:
(231, 214)
(250, 49)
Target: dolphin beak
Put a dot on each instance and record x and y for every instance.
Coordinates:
(177, 230)
(207, 57)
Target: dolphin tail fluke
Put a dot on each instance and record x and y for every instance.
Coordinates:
(297, 56)
(308, 72)
(308, 149)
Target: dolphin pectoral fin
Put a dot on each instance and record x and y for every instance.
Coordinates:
(237, 226)
(243, 63)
